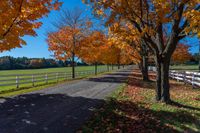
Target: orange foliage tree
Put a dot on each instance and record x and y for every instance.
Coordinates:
(92, 48)
(18, 18)
(66, 43)
(181, 54)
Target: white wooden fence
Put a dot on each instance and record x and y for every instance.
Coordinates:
(192, 78)
(188, 77)
(21, 80)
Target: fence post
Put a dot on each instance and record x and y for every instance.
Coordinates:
(33, 80)
(184, 77)
(17, 81)
(177, 73)
(193, 80)
(46, 78)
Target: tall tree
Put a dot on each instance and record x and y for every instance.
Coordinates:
(72, 27)
(92, 48)
(19, 18)
(154, 20)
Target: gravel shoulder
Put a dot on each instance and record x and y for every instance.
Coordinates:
(59, 109)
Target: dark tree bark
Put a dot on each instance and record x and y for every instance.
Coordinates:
(118, 66)
(165, 95)
(144, 69)
(162, 79)
(158, 79)
(144, 61)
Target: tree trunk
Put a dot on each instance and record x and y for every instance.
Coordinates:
(108, 68)
(112, 67)
(73, 66)
(144, 61)
(165, 95)
(162, 80)
(95, 68)
(144, 69)
(158, 79)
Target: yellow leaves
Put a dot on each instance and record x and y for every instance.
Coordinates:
(92, 47)
(193, 18)
(100, 12)
(18, 18)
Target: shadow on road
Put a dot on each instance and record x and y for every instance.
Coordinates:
(39, 113)
(116, 77)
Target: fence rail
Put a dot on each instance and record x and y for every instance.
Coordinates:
(188, 77)
(192, 78)
(32, 79)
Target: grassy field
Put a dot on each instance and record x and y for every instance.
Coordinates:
(132, 109)
(48, 70)
(184, 67)
(11, 74)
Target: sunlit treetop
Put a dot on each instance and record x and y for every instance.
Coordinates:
(20, 17)
(62, 42)
(92, 47)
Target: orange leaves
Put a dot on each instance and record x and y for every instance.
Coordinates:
(181, 53)
(61, 42)
(146, 16)
(92, 47)
(18, 18)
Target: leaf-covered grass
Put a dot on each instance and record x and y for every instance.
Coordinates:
(134, 110)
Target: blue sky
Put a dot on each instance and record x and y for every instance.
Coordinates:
(37, 46)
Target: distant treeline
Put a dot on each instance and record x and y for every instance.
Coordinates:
(11, 63)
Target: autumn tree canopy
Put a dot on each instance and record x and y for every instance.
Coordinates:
(92, 47)
(19, 18)
(72, 28)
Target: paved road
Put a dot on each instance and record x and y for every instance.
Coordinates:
(59, 109)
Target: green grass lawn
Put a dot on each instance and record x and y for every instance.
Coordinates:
(64, 75)
(48, 70)
(184, 67)
(133, 109)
